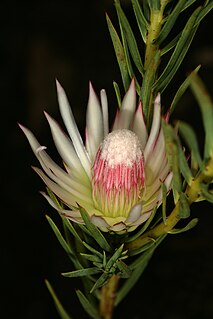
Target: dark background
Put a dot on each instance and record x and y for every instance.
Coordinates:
(69, 40)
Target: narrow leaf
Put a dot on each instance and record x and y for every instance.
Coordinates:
(60, 238)
(170, 22)
(204, 12)
(184, 86)
(114, 257)
(93, 250)
(119, 52)
(100, 281)
(206, 107)
(184, 207)
(117, 92)
(94, 231)
(72, 230)
(132, 44)
(205, 193)
(189, 226)
(141, 20)
(87, 305)
(92, 258)
(164, 193)
(124, 269)
(170, 45)
(179, 53)
(61, 311)
(81, 272)
(148, 243)
(190, 138)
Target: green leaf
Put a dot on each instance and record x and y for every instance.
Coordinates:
(94, 231)
(177, 158)
(93, 250)
(82, 272)
(120, 55)
(184, 86)
(92, 258)
(206, 107)
(184, 208)
(178, 54)
(170, 45)
(114, 258)
(87, 305)
(172, 153)
(129, 64)
(188, 4)
(61, 311)
(117, 92)
(184, 167)
(129, 36)
(206, 193)
(141, 20)
(148, 243)
(61, 240)
(170, 22)
(125, 271)
(204, 12)
(70, 227)
(190, 138)
(189, 226)
(100, 281)
(164, 192)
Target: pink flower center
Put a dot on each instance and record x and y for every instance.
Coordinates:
(118, 174)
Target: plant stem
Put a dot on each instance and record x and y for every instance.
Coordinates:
(108, 295)
(152, 61)
(192, 192)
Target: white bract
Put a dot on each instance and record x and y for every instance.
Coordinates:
(116, 177)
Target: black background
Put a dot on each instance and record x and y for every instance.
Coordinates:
(42, 40)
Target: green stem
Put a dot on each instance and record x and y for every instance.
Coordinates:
(108, 295)
(150, 64)
(192, 192)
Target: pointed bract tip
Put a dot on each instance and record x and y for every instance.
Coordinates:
(157, 99)
(58, 86)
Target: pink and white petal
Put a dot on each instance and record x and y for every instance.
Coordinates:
(127, 109)
(65, 147)
(94, 124)
(72, 129)
(154, 129)
(105, 112)
(139, 126)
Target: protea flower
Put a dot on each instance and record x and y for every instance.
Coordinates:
(116, 177)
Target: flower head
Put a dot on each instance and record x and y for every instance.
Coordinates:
(116, 177)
